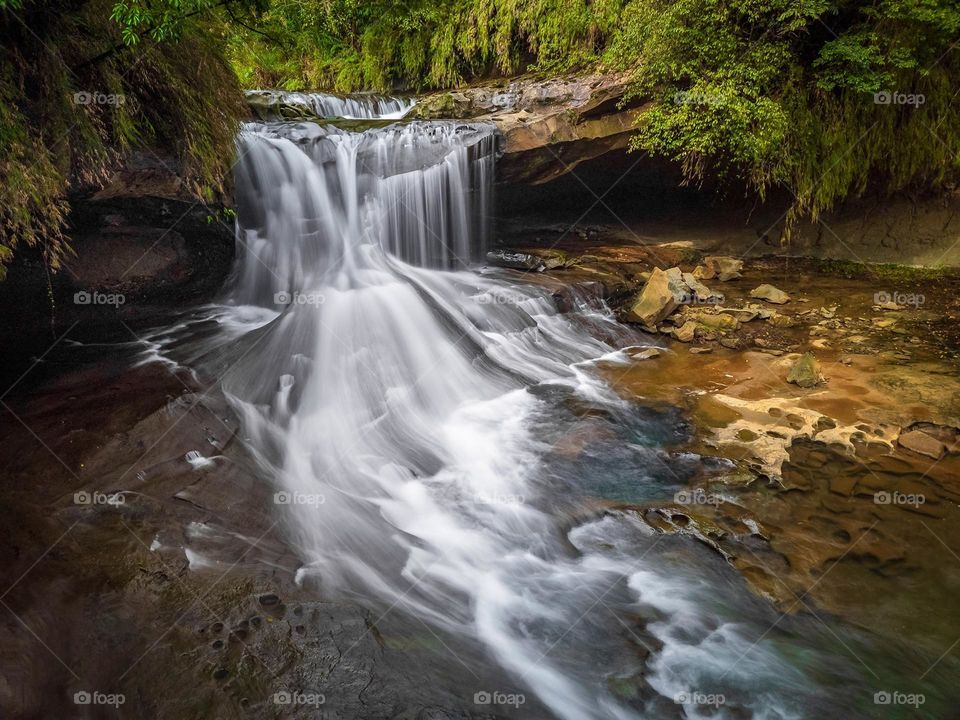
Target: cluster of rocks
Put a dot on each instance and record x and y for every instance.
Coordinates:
(680, 305)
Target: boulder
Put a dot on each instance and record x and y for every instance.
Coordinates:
(805, 372)
(663, 293)
(770, 294)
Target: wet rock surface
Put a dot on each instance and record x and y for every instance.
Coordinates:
(130, 570)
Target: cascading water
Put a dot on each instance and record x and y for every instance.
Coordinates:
(424, 403)
(325, 105)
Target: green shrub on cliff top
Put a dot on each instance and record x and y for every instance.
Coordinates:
(820, 98)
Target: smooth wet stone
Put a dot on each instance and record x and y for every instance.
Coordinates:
(770, 294)
(647, 354)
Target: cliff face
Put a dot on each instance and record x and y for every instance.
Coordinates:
(548, 126)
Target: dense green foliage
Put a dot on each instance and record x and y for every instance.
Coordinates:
(351, 44)
(823, 98)
(777, 92)
(74, 100)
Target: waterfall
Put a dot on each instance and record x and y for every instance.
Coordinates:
(325, 105)
(315, 201)
(412, 409)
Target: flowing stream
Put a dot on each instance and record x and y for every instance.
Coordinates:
(411, 409)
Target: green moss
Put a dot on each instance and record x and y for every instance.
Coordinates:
(883, 271)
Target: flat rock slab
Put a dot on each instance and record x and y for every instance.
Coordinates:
(919, 442)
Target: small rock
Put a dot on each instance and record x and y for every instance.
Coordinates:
(820, 344)
(721, 267)
(647, 354)
(884, 322)
(761, 342)
(770, 294)
(516, 260)
(701, 350)
(805, 372)
(731, 343)
(741, 314)
(686, 332)
(721, 322)
(701, 293)
(919, 442)
(782, 321)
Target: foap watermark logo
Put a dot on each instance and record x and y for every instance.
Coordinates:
(697, 496)
(895, 697)
(298, 298)
(95, 497)
(895, 97)
(896, 297)
(85, 97)
(95, 697)
(898, 498)
(499, 499)
(292, 697)
(696, 697)
(85, 297)
(696, 97)
(693, 298)
(495, 298)
(285, 497)
(496, 697)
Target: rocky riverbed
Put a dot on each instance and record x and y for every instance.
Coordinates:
(829, 495)
(831, 390)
